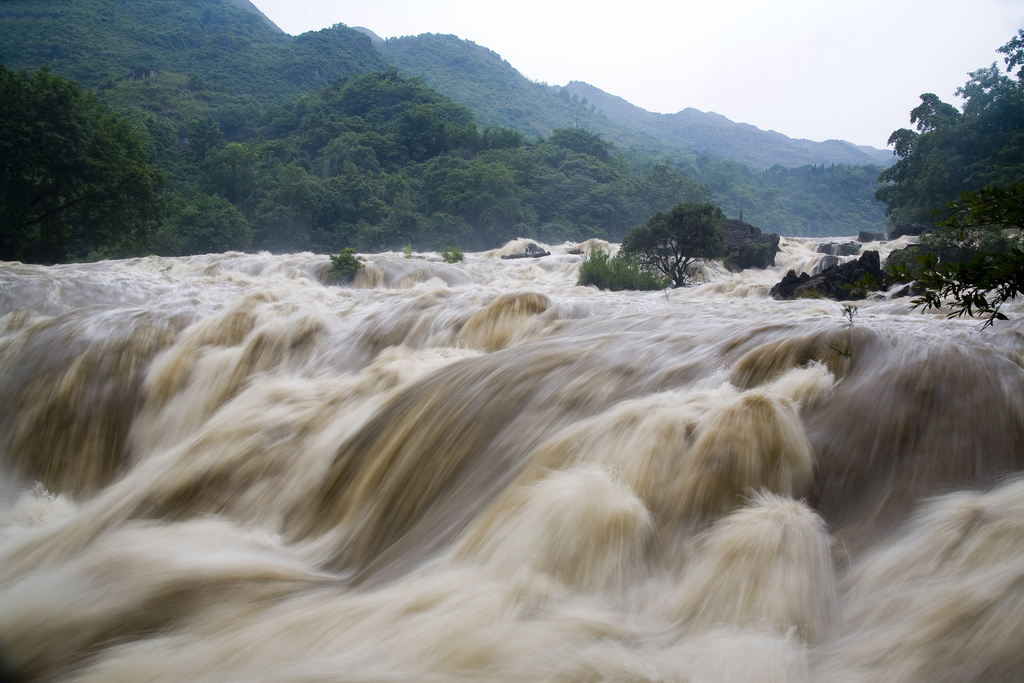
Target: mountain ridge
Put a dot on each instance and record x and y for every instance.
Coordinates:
(479, 78)
(249, 7)
(195, 75)
(717, 134)
(230, 44)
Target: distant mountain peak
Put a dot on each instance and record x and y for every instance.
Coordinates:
(716, 134)
(374, 38)
(249, 7)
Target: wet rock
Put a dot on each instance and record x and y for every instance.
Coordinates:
(532, 251)
(839, 248)
(829, 261)
(845, 281)
(788, 286)
(868, 236)
(912, 229)
(748, 247)
(908, 258)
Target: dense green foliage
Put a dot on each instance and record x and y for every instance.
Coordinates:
(74, 179)
(804, 200)
(105, 42)
(811, 199)
(954, 151)
(203, 226)
(975, 257)
(670, 242)
(344, 266)
(190, 70)
(480, 79)
(379, 161)
(604, 272)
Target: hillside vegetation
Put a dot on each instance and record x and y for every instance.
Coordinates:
(832, 195)
(953, 151)
(180, 60)
(102, 42)
(269, 141)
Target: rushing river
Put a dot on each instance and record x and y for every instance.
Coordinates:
(219, 469)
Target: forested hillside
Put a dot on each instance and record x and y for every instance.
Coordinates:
(182, 61)
(102, 42)
(379, 161)
(266, 141)
(833, 195)
(480, 79)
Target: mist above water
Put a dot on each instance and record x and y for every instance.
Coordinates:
(217, 468)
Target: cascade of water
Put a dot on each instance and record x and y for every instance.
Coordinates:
(218, 468)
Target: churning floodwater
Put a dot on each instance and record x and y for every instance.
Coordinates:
(218, 469)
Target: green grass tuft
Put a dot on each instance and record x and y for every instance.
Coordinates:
(604, 272)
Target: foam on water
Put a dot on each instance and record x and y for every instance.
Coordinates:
(217, 468)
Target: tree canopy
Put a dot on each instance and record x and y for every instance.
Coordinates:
(74, 178)
(974, 257)
(953, 151)
(671, 241)
(972, 260)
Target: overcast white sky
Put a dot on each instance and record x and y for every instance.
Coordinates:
(811, 69)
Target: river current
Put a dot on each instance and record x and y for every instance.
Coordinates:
(219, 469)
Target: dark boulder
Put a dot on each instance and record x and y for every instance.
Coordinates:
(532, 251)
(912, 229)
(839, 248)
(868, 236)
(748, 247)
(845, 281)
(908, 258)
(789, 285)
(826, 262)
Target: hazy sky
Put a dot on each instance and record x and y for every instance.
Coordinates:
(812, 69)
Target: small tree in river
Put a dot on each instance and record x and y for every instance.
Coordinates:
(671, 241)
(344, 266)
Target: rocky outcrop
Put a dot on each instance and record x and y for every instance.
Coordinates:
(908, 258)
(532, 251)
(868, 236)
(851, 280)
(748, 247)
(839, 248)
(912, 229)
(826, 262)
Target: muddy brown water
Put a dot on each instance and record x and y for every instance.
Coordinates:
(217, 468)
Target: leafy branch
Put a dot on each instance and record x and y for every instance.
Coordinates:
(980, 284)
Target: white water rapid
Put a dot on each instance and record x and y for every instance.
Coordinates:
(217, 469)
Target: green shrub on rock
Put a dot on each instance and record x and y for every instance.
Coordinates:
(344, 266)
